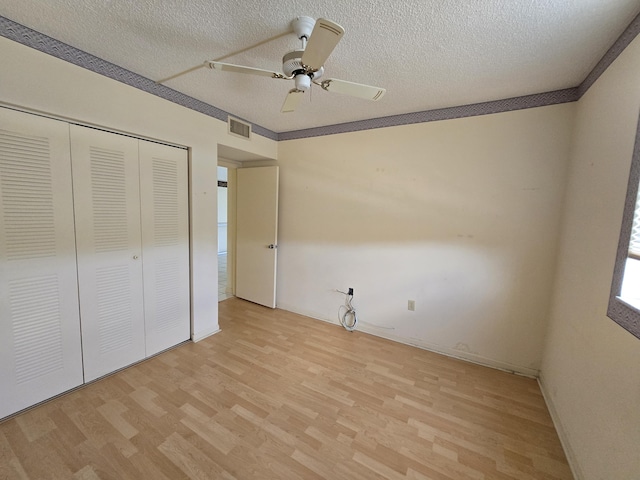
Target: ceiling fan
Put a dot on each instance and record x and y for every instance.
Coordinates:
(304, 66)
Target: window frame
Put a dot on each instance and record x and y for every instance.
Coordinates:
(618, 310)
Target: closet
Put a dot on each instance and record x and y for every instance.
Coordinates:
(94, 254)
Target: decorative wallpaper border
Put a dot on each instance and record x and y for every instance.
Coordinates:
(623, 41)
(485, 108)
(31, 38)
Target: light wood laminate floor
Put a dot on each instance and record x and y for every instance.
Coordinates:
(280, 396)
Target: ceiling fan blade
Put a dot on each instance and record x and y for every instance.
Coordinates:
(228, 67)
(324, 38)
(359, 90)
(291, 102)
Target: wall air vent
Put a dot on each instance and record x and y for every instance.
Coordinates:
(239, 128)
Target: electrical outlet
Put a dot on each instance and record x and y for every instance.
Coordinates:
(411, 305)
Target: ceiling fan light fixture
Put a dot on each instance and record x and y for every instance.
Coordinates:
(303, 82)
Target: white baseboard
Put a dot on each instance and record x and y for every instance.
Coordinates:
(449, 352)
(562, 432)
(196, 337)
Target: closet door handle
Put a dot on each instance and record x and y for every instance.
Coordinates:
(135, 257)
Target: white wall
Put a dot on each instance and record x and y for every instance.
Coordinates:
(591, 366)
(461, 216)
(34, 80)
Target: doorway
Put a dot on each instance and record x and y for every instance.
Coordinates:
(232, 240)
(225, 284)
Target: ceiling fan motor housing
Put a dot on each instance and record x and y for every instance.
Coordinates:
(292, 66)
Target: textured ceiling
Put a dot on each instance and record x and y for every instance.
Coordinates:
(428, 54)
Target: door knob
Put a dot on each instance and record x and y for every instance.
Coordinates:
(135, 257)
(272, 246)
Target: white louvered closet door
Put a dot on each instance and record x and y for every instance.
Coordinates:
(165, 237)
(40, 350)
(107, 211)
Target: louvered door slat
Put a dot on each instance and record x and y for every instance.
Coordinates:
(107, 199)
(165, 236)
(40, 350)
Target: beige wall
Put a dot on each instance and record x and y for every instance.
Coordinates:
(461, 216)
(34, 80)
(591, 366)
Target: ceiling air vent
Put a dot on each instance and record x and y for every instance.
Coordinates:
(239, 128)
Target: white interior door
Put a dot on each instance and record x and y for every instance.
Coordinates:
(107, 212)
(165, 237)
(257, 234)
(40, 350)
